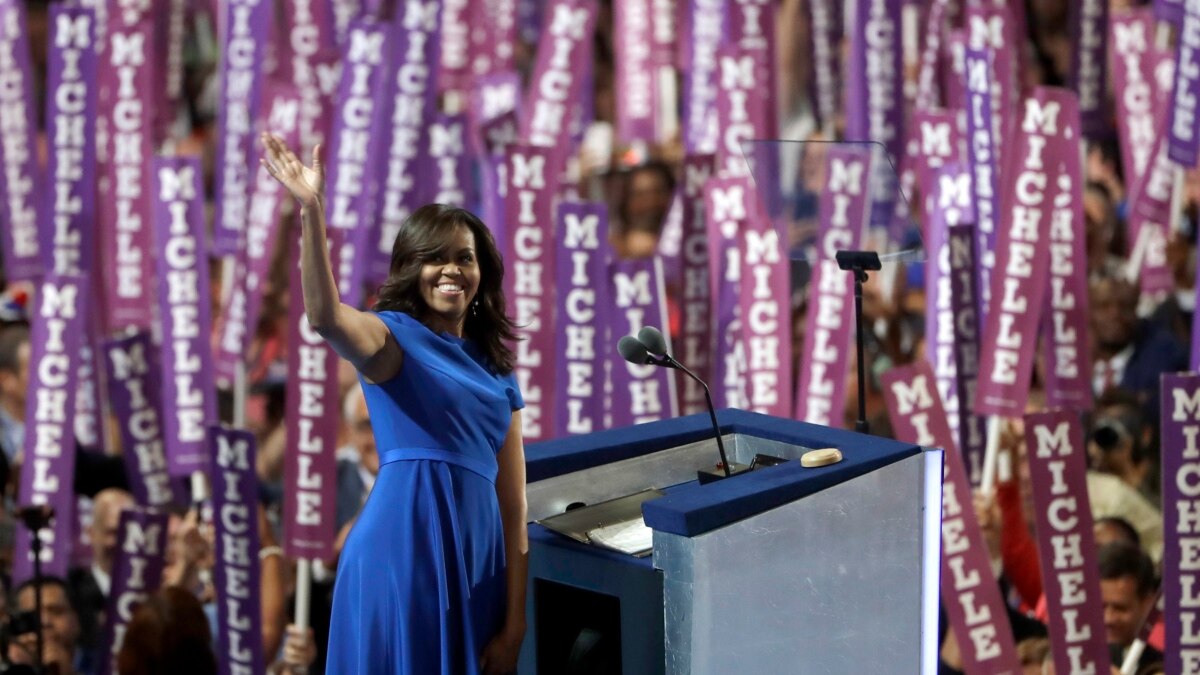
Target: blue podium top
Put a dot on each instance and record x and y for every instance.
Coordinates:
(691, 509)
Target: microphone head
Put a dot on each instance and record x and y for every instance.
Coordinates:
(633, 351)
(653, 338)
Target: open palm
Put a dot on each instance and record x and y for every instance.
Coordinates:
(307, 184)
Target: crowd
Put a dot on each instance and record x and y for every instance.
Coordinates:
(1135, 337)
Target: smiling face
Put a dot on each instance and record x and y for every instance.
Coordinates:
(449, 280)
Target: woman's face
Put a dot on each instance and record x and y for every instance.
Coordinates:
(449, 281)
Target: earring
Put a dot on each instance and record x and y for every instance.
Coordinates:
(475, 307)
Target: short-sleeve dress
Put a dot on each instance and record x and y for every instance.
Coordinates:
(420, 583)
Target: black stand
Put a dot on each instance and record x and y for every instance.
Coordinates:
(727, 470)
(36, 518)
(860, 262)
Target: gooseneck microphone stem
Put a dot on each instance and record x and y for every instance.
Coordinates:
(861, 426)
(670, 361)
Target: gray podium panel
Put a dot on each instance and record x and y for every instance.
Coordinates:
(827, 584)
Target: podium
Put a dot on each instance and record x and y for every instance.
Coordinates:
(786, 569)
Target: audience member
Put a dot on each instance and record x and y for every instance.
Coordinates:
(91, 585)
(358, 461)
(168, 635)
(60, 628)
(1121, 443)
(1128, 589)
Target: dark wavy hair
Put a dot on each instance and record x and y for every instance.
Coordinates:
(424, 234)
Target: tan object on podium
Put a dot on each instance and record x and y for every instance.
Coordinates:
(822, 457)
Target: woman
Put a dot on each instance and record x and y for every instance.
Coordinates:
(432, 577)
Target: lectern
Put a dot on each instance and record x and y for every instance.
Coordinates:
(786, 569)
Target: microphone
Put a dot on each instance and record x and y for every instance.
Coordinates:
(642, 350)
(633, 351)
(653, 340)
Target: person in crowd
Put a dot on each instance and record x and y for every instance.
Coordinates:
(1102, 232)
(1115, 528)
(649, 188)
(432, 578)
(1128, 589)
(168, 635)
(358, 461)
(1121, 443)
(1129, 352)
(91, 585)
(14, 382)
(60, 628)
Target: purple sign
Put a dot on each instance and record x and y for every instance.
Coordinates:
(928, 95)
(245, 30)
(1020, 282)
(825, 25)
(19, 178)
(875, 95)
(1089, 29)
(948, 203)
(993, 28)
(1183, 143)
(752, 25)
(310, 463)
(137, 573)
(48, 471)
(168, 37)
(582, 344)
(239, 316)
(126, 237)
(844, 210)
(635, 85)
(69, 200)
(1131, 37)
(189, 395)
(493, 41)
(564, 52)
(457, 23)
(705, 30)
(1181, 521)
(1066, 541)
(964, 303)
(1150, 214)
(350, 155)
(411, 104)
(695, 339)
(313, 54)
(135, 395)
(497, 135)
(529, 254)
(969, 590)
(743, 114)
(1170, 11)
(766, 301)
(449, 155)
(235, 537)
(640, 393)
(727, 200)
(1066, 340)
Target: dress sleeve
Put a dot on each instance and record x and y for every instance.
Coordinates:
(515, 400)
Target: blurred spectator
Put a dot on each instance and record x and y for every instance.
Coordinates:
(642, 211)
(168, 635)
(1129, 352)
(1128, 589)
(1121, 443)
(1111, 529)
(358, 462)
(1102, 232)
(14, 382)
(91, 585)
(60, 628)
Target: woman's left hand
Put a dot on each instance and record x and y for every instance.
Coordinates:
(500, 656)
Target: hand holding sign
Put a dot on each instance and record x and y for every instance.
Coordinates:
(307, 184)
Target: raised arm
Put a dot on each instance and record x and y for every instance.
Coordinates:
(359, 337)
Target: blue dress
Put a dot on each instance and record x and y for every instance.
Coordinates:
(420, 583)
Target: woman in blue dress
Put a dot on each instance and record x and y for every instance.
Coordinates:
(432, 576)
